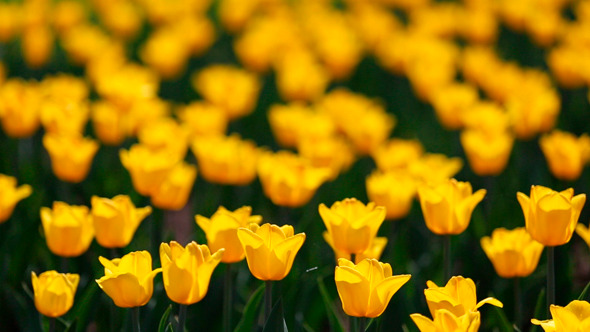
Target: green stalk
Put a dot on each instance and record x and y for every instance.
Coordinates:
(517, 303)
(550, 278)
(181, 317)
(267, 299)
(447, 257)
(362, 323)
(135, 319)
(52, 324)
(227, 299)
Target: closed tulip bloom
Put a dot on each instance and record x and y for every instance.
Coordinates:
(452, 101)
(514, 253)
(270, 249)
(447, 206)
(366, 288)
(129, 281)
(71, 156)
(54, 292)
(458, 297)
(65, 117)
(203, 119)
(68, 229)
(10, 194)
(108, 123)
(551, 216)
(37, 44)
(226, 159)
(374, 251)
(187, 271)
(300, 76)
(566, 154)
(165, 50)
(166, 134)
(487, 154)
(116, 220)
(446, 321)
(19, 108)
(174, 191)
(288, 179)
(397, 153)
(394, 190)
(148, 169)
(331, 152)
(574, 317)
(287, 122)
(221, 231)
(352, 225)
(435, 167)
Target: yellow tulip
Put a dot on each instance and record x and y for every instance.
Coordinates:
(37, 44)
(352, 225)
(300, 76)
(68, 229)
(203, 119)
(164, 134)
(288, 179)
(68, 14)
(85, 42)
(458, 297)
(108, 123)
(566, 154)
(128, 281)
(394, 190)
(270, 249)
(551, 216)
(64, 88)
(374, 251)
(292, 122)
(222, 231)
(187, 271)
(148, 169)
(165, 50)
(71, 156)
(115, 220)
(397, 153)
(128, 85)
(11, 16)
(331, 152)
(447, 206)
(452, 101)
(174, 191)
(574, 317)
(19, 108)
(514, 253)
(54, 292)
(446, 321)
(145, 112)
(10, 194)
(65, 117)
(487, 154)
(435, 167)
(366, 288)
(226, 159)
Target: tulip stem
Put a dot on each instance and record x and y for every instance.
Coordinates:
(447, 257)
(362, 323)
(550, 278)
(181, 317)
(517, 302)
(267, 299)
(227, 299)
(52, 324)
(135, 319)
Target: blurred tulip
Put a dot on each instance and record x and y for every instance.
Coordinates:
(68, 14)
(270, 249)
(397, 153)
(487, 154)
(71, 156)
(10, 195)
(165, 50)
(373, 252)
(128, 85)
(216, 82)
(565, 153)
(122, 18)
(19, 108)
(435, 168)
(300, 77)
(393, 190)
(226, 159)
(203, 119)
(458, 297)
(68, 229)
(54, 292)
(533, 113)
(128, 281)
(293, 122)
(574, 317)
(173, 193)
(366, 288)
(108, 123)
(447, 206)
(115, 220)
(451, 102)
(203, 35)
(147, 112)
(65, 117)
(514, 253)
(551, 216)
(234, 14)
(148, 169)
(37, 44)
(84, 42)
(352, 225)
(446, 321)
(221, 231)
(11, 17)
(289, 180)
(164, 134)
(187, 271)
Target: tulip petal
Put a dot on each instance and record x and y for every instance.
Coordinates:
(424, 323)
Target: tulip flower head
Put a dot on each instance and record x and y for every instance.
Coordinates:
(10, 194)
(187, 271)
(395, 190)
(446, 321)
(19, 108)
(129, 281)
(68, 229)
(148, 169)
(373, 252)
(447, 206)
(115, 220)
(366, 288)
(54, 292)
(173, 193)
(352, 225)
(514, 253)
(71, 156)
(551, 216)
(397, 153)
(574, 317)
(566, 154)
(270, 249)
(221, 231)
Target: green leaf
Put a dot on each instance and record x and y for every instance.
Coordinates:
(335, 323)
(506, 326)
(276, 319)
(164, 320)
(584, 292)
(250, 313)
(539, 309)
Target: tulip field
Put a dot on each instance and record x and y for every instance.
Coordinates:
(294, 165)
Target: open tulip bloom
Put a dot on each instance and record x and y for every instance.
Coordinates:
(574, 317)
